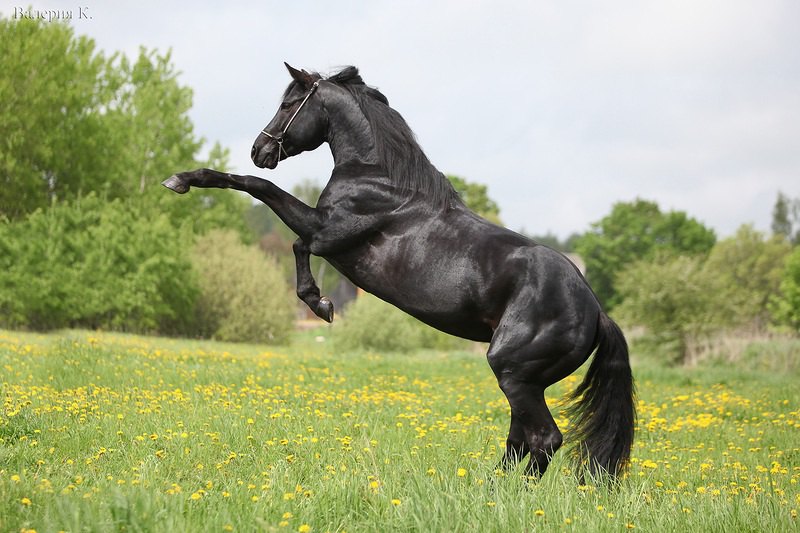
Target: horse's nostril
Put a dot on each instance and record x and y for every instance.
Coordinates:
(253, 152)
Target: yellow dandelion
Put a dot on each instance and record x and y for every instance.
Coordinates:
(539, 512)
(25, 501)
(462, 472)
(395, 502)
(305, 528)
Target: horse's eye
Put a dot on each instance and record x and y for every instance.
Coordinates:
(286, 105)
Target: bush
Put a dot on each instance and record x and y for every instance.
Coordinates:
(785, 306)
(243, 296)
(94, 263)
(372, 324)
(673, 297)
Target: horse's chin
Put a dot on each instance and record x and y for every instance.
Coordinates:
(269, 160)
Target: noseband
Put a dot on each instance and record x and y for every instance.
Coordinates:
(280, 137)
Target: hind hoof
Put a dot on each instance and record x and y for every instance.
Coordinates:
(174, 183)
(324, 309)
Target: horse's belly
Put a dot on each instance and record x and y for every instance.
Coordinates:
(440, 293)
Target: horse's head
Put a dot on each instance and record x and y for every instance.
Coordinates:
(298, 126)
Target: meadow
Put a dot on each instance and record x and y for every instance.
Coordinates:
(108, 432)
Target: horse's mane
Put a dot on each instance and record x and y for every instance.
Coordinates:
(397, 147)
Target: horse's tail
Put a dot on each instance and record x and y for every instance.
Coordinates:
(604, 412)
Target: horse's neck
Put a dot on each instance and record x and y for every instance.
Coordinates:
(350, 136)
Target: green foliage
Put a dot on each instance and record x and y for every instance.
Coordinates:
(635, 231)
(243, 296)
(73, 121)
(684, 298)
(50, 118)
(372, 324)
(672, 296)
(476, 197)
(785, 306)
(97, 264)
(747, 269)
(786, 218)
(88, 236)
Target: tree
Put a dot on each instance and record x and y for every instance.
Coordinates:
(786, 218)
(88, 237)
(672, 296)
(635, 231)
(476, 197)
(73, 121)
(748, 269)
(785, 306)
(49, 114)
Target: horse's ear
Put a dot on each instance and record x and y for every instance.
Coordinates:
(300, 76)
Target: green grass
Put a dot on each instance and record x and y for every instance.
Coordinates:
(102, 432)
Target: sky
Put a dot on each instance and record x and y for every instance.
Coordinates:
(562, 108)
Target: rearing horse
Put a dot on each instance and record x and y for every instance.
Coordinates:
(392, 224)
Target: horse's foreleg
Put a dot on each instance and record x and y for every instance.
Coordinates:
(307, 289)
(303, 220)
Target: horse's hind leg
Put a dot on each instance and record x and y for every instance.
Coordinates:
(532, 430)
(526, 361)
(516, 444)
(307, 289)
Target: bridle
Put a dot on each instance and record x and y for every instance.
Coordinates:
(280, 137)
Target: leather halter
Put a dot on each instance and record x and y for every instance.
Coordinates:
(280, 137)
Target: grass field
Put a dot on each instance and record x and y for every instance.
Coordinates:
(102, 432)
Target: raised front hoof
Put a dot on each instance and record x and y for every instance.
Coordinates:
(174, 183)
(324, 309)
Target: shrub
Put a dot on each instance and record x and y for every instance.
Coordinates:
(785, 306)
(673, 297)
(96, 264)
(372, 324)
(243, 296)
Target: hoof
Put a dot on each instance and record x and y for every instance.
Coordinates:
(324, 309)
(176, 184)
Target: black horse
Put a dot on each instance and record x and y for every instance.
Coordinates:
(392, 224)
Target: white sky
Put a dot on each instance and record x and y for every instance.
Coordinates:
(561, 107)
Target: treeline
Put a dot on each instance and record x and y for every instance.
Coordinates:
(669, 273)
(88, 237)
